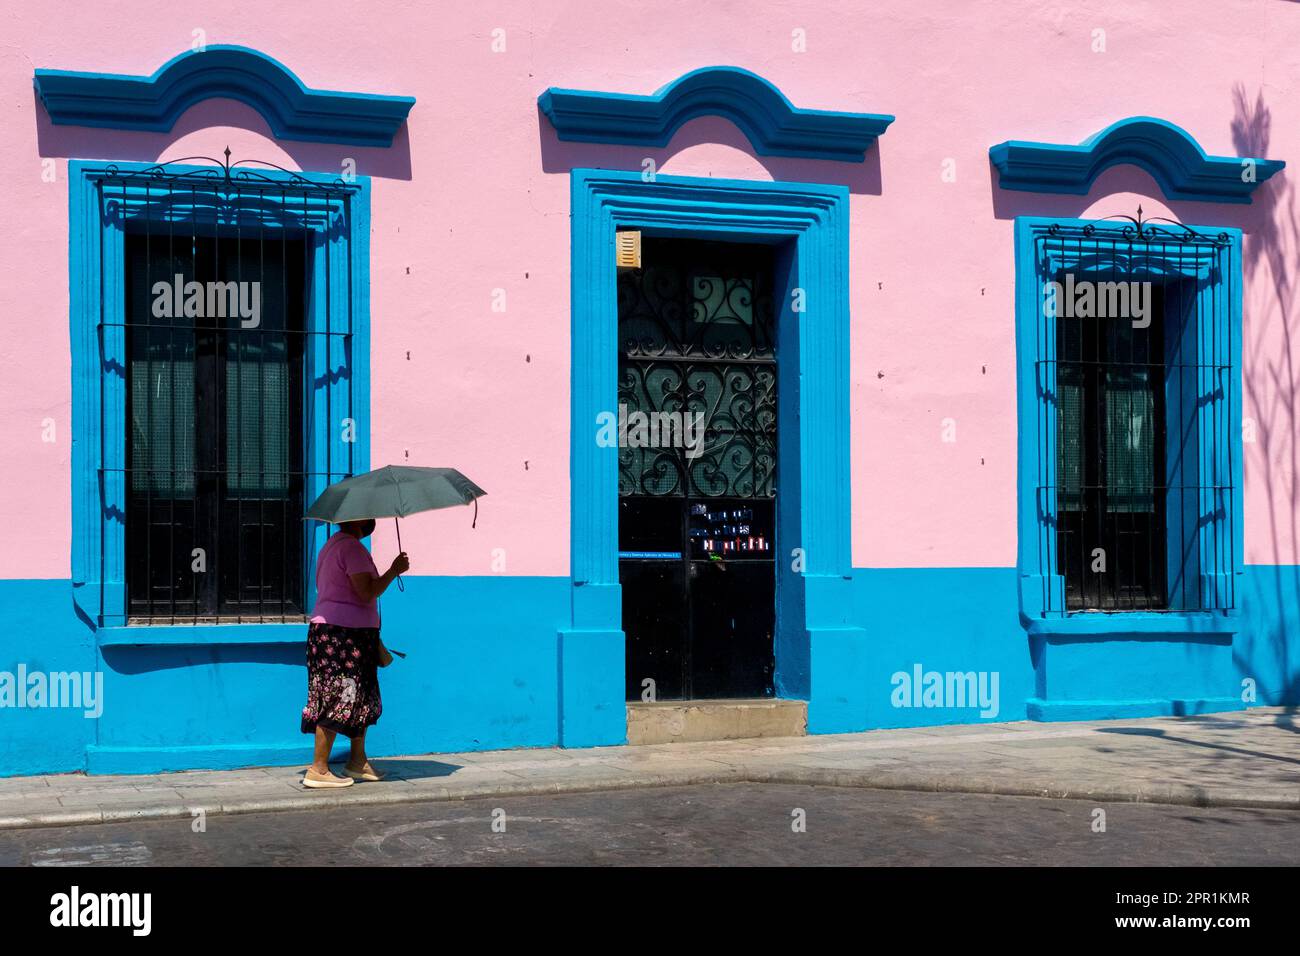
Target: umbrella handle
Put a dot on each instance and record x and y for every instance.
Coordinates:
(397, 524)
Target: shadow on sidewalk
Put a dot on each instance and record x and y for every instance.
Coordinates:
(1221, 748)
(400, 768)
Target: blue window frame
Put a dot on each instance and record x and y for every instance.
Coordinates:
(1196, 466)
(107, 202)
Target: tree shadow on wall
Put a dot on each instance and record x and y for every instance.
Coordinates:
(1269, 380)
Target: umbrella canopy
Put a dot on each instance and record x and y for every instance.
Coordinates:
(394, 491)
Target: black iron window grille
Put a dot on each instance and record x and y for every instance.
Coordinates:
(229, 384)
(1136, 493)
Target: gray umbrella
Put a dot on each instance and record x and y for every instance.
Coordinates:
(395, 491)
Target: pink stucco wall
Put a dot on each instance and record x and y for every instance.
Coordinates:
(473, 196)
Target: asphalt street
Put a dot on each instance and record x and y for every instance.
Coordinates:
(718, 824)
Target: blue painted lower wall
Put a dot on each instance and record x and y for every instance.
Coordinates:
(964, 621)
(480, 674)
(486, 670)
(944, 620)
(43, 633)
(1267, 649)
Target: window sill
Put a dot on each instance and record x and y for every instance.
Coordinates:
(201, 634)
(1151, 623)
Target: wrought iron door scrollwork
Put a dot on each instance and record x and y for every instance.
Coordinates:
(696, 333)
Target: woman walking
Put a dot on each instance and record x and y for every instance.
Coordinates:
(344, 651)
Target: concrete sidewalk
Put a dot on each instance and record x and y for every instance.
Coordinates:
(1244, 759)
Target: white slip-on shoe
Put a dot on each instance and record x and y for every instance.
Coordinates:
(318, 781)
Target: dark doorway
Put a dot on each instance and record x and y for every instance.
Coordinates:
(697, 469)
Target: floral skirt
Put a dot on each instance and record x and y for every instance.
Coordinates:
(342, 679)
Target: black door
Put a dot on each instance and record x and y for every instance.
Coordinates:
(697, 469)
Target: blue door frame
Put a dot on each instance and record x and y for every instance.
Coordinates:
(819, 653)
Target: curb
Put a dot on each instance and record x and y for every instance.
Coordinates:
(1170, 795)
(361, 796)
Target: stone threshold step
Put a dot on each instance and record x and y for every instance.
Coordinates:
(675, 721)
